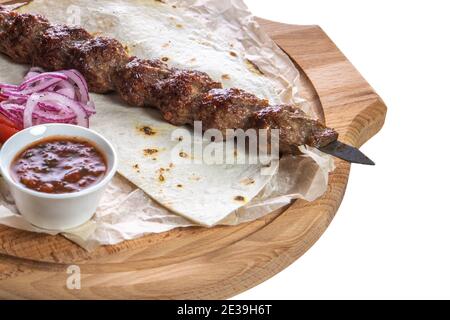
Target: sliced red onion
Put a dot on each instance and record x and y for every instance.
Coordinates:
(60, 97)
(42, 86)
(54, 98)
(42, 76)
(14, 112)
(8, 86)
(33, 72)
(68, 92)
(65, 88)
(29, 108)
(89, 107)
(51, 117)
(79, 80)
(50, 108)
(17, 100)
(13, 94)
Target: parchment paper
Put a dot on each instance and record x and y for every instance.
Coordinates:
(126, 212)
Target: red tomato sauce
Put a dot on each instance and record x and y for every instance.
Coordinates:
(59, 165)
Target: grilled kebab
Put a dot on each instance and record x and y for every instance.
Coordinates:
(182, 96)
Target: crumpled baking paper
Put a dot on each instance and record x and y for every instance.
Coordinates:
(126, 212)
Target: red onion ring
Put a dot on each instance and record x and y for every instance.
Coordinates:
(47, 97)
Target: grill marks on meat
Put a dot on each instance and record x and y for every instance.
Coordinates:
(182, 96)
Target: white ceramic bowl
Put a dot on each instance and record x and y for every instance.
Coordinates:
(56, 211)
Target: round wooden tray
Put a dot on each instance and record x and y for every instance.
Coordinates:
(199, 263)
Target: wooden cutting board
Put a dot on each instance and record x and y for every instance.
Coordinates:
(199, 263)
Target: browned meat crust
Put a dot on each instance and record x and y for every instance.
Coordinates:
(138, 82)
(97, 59)
(53, 46)
(182, 96)
(228, 109)
(294, 125)
(18, 35)
(180, 93)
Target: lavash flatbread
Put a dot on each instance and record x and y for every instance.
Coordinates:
(205, 194)
(126, 212)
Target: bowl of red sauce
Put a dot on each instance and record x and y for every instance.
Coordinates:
(57, 173)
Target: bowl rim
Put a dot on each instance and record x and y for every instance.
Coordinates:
(5, 167)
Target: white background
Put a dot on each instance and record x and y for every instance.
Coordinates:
(391, 235)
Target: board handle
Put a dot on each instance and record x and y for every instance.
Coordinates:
(350, 104)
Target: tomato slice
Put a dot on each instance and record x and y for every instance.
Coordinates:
(6, 132)
(4, 120)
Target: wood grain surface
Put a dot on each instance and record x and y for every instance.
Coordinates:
(216, 263)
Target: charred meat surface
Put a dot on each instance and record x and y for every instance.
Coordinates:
(294, 126)
(182, 96)
(97, 59)
(180, 93)
(54, 44)
(138, 82)
(228, 109)
(18, 34)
